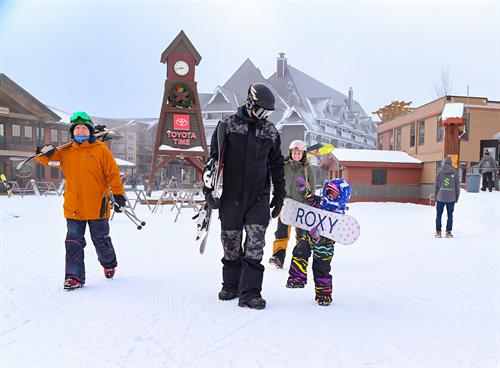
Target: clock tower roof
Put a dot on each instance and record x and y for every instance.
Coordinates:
(181, 45)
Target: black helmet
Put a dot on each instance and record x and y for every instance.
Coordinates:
(260, 100)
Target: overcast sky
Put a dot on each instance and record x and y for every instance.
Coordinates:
(104, 56)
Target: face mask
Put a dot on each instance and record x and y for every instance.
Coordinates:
(81, 138)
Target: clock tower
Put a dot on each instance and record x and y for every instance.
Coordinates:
(180, 131)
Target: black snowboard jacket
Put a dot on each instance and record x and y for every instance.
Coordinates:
(252, 159)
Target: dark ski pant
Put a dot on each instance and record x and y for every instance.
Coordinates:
(487, 181)
(321, 266)
(450, 206)
(75, 244)
(242, 270)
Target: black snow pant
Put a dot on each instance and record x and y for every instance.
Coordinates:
(488, 181)
(242, 270)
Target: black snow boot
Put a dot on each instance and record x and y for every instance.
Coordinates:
(254, 303)
(227, 294)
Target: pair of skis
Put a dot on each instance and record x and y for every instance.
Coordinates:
(97, 135)
(214, 180)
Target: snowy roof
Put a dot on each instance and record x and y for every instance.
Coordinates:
(121, 162)
(345, 154)
(65, 116)
(453, 110)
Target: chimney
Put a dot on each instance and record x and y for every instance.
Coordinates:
(281, 65)
(349, 99)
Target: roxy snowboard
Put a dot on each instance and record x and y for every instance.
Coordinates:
(344, 229)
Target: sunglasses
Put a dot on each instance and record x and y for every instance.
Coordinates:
(80, 115)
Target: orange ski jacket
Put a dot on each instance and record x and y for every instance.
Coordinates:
(90, 171)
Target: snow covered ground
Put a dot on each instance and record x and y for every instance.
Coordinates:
(401, 297)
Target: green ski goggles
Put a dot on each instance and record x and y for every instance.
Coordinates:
(80, 115)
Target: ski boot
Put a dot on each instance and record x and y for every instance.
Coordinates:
(109, 273)
(324, 300)
(254, 303)
(71, 284)
(438, 234)
(227, 294)
(294, 284)
(449, 234)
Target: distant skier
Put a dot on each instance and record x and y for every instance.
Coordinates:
(488, 167)
(446, 193)
(252, 158)
(296, 166)
(90, 171)
(336, 193)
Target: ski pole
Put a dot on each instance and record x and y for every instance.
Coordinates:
(97, 135)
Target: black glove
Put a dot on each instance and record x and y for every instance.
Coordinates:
(46, 150)
(212, 203)
(120, 202)
(277, 203)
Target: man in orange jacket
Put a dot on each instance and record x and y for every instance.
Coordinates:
(91, 172)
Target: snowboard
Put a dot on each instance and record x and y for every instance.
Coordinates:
(6, 185)
(342, 228)
(212, 178)
(319, 149)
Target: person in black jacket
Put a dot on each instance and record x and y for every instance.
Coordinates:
(252, 159)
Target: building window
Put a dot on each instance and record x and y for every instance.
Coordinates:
(379, 176)
(398, 139)
(40, 134)
(28, 131)
(438, 166)
(40, 172)
(380, 141)
(53, 136)
(130, 158)
(2, 130)
(131, 136)
(391, 140)
(130, 147)
(421, 132)
(54, 173)
(16, 130)
(412, 135)
(440, 129)
(64, 136)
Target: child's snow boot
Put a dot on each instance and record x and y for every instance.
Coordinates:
(109, 273)
(324, 300)
(449, 234)
(71, 284)
(438, 234)
(294, 284)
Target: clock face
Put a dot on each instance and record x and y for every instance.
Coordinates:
(181, 68)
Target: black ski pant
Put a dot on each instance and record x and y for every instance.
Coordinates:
(75, 244)
(488, 181)
(242, 270)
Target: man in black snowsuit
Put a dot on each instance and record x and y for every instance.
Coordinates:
(252, 158)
